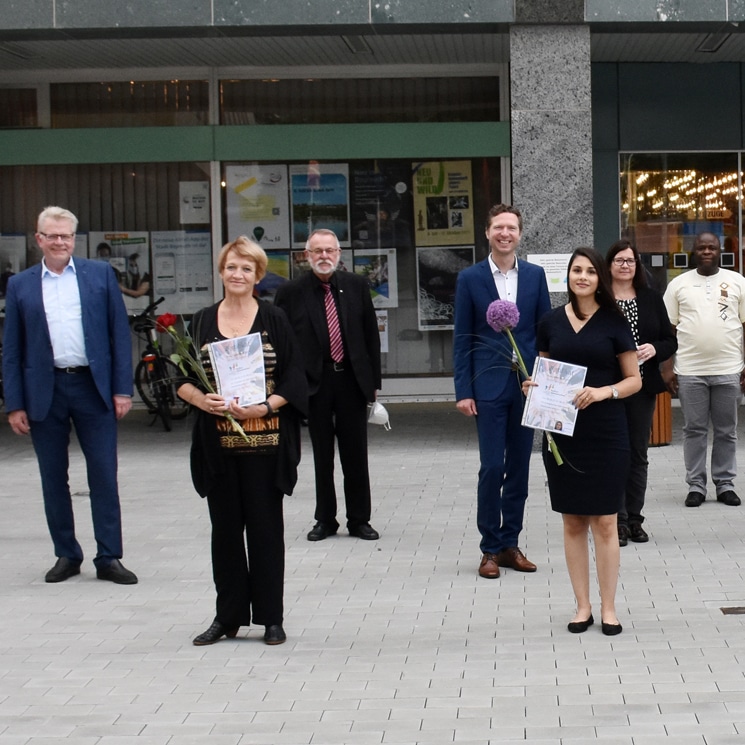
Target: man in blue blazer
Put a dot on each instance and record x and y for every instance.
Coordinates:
(67, 359)
(487, 385)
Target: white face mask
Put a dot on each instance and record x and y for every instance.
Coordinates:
(378, 414)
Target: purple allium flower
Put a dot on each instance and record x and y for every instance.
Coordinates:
(502, 314)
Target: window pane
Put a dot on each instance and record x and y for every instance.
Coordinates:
(359, 101)
(18, 108)
(165, 103)
(669, 198)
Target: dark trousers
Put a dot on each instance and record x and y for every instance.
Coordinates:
(339, 410)
(248, 544)
(76, 401)
(639, 415)
(505, 447)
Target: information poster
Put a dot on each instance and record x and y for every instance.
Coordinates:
(555, 267)
(320, 199)
(194, 202)
(379, 268)
(129, 255)
(382, 206)
(437, 272)
(382, 316)
(257, 199)
(443, 203)
(277, 273)
(182, 270)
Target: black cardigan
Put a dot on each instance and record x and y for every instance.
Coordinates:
(655, 329)
(207, 457)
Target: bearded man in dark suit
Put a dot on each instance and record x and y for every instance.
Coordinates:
(334, 320)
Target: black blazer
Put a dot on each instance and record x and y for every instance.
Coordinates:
(302, 301)
(655, 329)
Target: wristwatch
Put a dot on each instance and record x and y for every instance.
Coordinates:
(614, 391)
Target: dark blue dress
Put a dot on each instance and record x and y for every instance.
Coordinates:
(592, 479)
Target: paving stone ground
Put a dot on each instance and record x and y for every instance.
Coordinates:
(396, 642)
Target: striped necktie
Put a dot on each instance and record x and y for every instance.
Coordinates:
(332, 319)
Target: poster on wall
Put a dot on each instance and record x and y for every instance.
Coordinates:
(381, 206)
(555, 267)
(443, 203)
(378, 267)
(257, 200)
(277, 273)
(12, 259)
(182, 270)
(194, 202)
(129, 255)
(320, 199)
(437, 271)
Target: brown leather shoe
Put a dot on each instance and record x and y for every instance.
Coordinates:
(489, 568)
(515, 559)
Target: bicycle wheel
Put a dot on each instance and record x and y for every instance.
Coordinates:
(157, 388)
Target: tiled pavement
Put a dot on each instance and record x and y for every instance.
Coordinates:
(396, 641)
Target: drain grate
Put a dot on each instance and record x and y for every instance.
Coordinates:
(736, 610)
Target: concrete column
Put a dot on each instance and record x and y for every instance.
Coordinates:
(552, 136)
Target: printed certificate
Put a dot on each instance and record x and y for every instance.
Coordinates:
(549, 403)
(238, 366)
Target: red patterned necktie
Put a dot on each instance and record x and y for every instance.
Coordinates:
(332, 318)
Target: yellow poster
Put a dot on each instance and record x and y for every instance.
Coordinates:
(443, 202)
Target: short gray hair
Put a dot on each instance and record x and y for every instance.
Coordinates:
(57, 213)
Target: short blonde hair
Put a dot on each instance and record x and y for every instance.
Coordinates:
(247, 249)
(56, 213)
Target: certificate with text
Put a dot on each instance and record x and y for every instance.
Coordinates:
(549, 404)
(238, 366)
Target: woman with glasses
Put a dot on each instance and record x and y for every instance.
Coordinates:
(655, 342)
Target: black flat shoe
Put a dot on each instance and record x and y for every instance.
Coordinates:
(611, 629)
(275, 634)
(321, 531)
(364, 531)
(117, 572)
(578, 627)
(214, 633)
(62, 570)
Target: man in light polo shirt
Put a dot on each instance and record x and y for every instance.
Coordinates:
(707, 309)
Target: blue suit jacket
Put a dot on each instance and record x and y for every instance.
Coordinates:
(28, 362)
(481, 356)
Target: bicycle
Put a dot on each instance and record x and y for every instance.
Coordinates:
(156, 376)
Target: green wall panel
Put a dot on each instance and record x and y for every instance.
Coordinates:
(290, 142)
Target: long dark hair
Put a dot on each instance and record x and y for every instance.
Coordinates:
(640, 274)
(604, 293)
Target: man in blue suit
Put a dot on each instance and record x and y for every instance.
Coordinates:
(67, 358)
(487, 385)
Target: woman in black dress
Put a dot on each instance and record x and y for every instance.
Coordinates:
(588, 488)
(655, 342)
(244, 476)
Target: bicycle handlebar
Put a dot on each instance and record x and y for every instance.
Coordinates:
(150, 308)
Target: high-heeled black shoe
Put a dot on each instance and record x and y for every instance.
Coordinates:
(214, 633)
(578, 627)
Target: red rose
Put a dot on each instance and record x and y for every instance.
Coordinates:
(164, 321)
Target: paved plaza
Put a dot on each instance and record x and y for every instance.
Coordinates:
(397, 642)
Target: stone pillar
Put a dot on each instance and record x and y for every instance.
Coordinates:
(552, 136)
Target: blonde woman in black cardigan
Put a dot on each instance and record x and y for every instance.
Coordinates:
(656, 342)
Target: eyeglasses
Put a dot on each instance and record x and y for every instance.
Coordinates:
(64, 237)
(621, 262)
(319, 251)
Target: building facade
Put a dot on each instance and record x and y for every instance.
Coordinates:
(171, 128)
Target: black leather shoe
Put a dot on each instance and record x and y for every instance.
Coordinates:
(364, 531)
(729, 497)
(695, 499)
(623, 535)
(579, 627)
(275, 634)
(321, 531)
(214, 633)
(62, 570)
(637, 533)
(116, 572)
